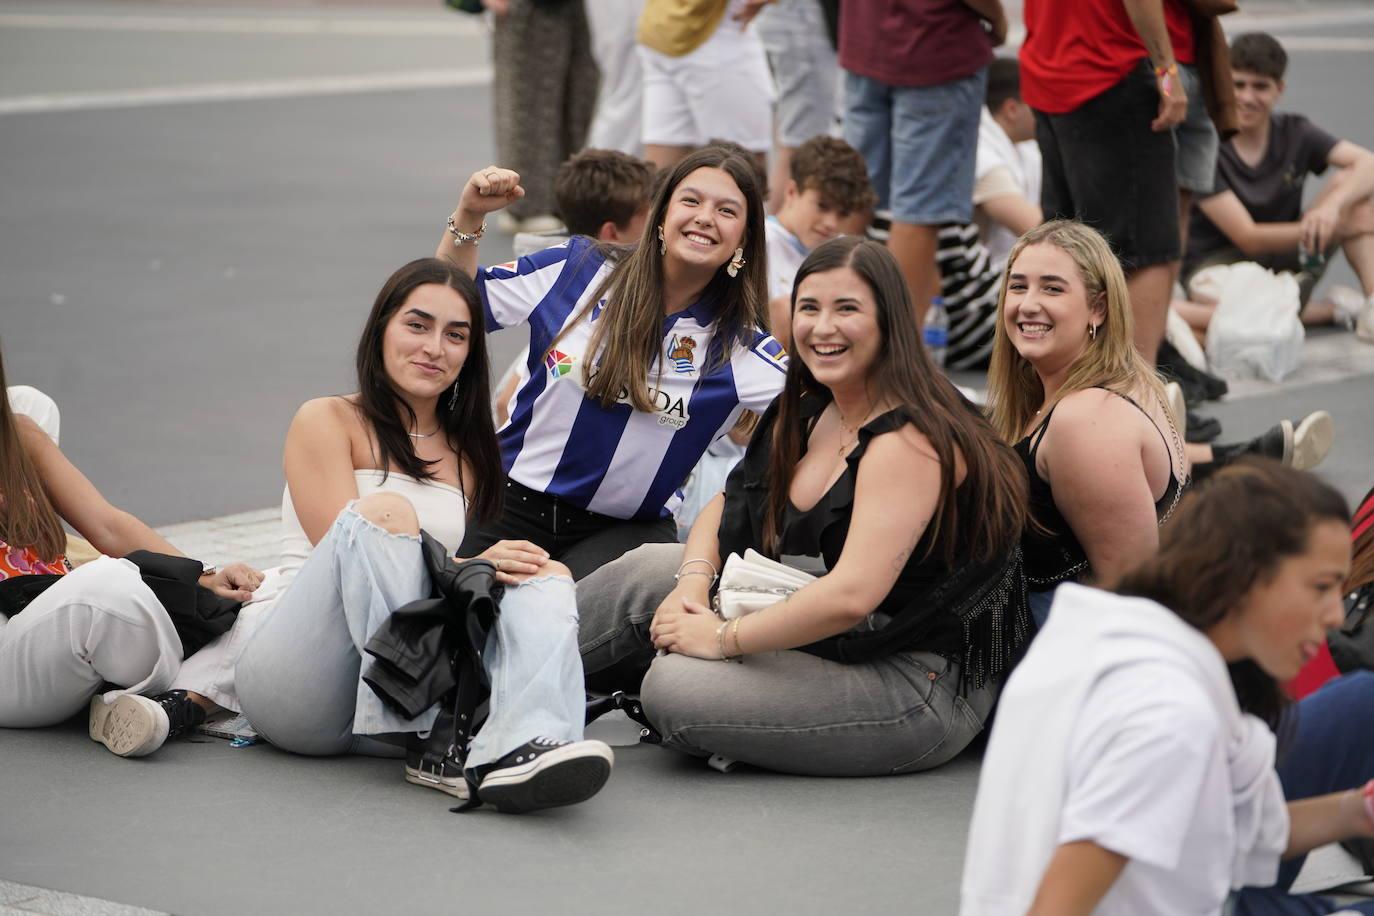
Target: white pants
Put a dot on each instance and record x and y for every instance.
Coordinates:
(98, 623)
(616, 124)
(719, 91)
(37, 406)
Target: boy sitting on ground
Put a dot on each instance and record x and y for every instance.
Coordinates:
(1255, 212)
(603, 194)
(828, 195)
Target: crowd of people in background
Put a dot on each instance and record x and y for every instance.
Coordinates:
(746, 253)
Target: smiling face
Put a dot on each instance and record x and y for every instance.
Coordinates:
(1046, 313)
(810, 216)
(426, 341)
(705, 219)
(1256, 96)
(1281, 623)
(835, 328)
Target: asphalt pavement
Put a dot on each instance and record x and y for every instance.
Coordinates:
(198, 204)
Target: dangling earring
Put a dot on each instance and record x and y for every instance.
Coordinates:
(662, 242)
(735, 263)
(1092, 331)
(453, 398)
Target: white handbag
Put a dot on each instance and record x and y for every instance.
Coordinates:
(753, 582)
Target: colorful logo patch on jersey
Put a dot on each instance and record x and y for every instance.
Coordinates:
(681, 351)
(559, 363)
(773, 351)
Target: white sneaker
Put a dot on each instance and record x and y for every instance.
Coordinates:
(131, 726)
(1312, 439)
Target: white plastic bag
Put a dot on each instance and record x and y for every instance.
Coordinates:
(1255, 331)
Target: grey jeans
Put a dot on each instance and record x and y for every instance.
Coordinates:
(787, 711)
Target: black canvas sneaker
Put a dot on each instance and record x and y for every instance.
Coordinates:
(135, 726)
(544, 773)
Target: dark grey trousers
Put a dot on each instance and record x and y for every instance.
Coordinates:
(786, 711)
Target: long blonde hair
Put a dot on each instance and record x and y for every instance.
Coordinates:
(1111, 360)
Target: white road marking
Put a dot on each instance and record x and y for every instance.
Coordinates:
(255, 25)
(245, 91)
(1249, 22)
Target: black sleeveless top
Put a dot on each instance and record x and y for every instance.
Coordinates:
(970, 612)
(1052, 553)
(823, 529)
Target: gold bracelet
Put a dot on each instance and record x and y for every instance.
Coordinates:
(720, 640)
(734, 631)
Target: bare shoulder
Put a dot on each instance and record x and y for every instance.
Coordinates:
(31, 434)
(1094, 408)
(906, 451)
(326, 418)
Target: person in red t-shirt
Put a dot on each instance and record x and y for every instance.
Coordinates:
(1103, 78)
(916, 74)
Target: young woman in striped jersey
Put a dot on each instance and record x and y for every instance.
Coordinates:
(639, 358)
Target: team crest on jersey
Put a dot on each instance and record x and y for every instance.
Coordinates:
(558, 363)
(682, 351)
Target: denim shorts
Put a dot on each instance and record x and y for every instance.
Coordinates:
(1195, 140)
(920, 143)
(1105, 166)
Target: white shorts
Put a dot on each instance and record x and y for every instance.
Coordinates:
(722, 90)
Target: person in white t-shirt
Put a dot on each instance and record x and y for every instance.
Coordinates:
(1132, 766)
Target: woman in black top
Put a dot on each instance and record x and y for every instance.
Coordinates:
(1087, 413)
(872, 463)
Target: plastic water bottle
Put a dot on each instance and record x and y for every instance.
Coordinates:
(936, 331)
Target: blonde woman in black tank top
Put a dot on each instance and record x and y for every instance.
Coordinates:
(1108, 465)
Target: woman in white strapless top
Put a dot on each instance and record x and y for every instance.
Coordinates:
(413, 449)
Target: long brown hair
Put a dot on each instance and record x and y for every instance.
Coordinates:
(1227, 536)
(468, 425)
(1015, 393)
(627, 342)
(995, 483)
(27, 516)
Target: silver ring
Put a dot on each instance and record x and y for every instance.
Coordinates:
(498, 564)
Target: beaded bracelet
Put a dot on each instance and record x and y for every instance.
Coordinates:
(465, 238)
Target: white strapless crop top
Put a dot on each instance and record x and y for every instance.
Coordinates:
(441, 507)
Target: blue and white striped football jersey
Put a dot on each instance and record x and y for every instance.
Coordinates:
(614, 460)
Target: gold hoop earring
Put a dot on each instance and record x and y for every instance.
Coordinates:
(662, 242)
(735, 263)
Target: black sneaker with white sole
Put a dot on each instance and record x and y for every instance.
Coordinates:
(135, 726)
(544, 773)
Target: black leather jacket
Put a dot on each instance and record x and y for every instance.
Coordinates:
(428, 647)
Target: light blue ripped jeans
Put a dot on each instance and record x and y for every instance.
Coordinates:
(299, 676)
